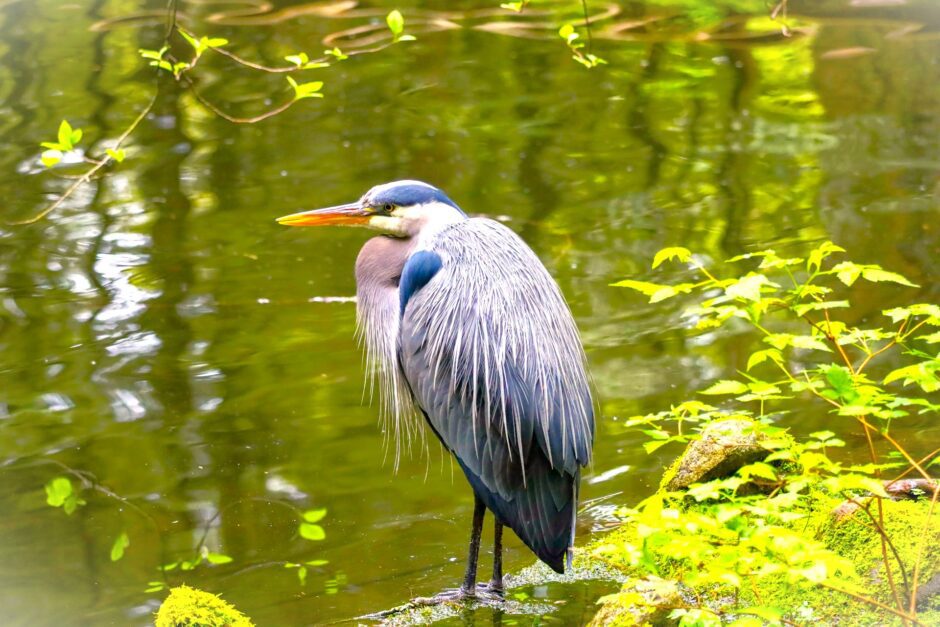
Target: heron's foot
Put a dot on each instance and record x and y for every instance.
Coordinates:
(451, 595)
(481, 592)
(491, 590)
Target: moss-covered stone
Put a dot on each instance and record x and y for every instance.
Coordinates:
(853, 537)
(640, 602)
(189, 607)
(723, 447)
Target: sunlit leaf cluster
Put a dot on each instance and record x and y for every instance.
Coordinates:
(733, 531)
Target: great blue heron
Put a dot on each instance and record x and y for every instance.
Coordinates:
(463, 322)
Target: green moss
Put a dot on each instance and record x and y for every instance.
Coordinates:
(851, 537)
(189, 607)
(855, 538)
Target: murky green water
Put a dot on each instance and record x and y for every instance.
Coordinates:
(160, 332)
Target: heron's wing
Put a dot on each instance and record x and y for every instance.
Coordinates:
(494, 360)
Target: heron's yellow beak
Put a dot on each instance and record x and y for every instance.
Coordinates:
(340, 215)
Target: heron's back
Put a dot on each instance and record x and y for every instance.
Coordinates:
(493, 358)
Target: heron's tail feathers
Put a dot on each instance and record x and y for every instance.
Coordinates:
(542, 513)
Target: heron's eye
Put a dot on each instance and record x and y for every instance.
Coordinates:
(387, 207)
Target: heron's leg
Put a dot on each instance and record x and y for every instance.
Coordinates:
(470, 579)
(496, 583)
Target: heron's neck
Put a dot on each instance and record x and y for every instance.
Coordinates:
(380, 263)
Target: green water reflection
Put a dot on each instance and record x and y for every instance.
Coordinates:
(160, 331)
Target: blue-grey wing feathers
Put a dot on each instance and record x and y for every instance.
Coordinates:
(493, 358)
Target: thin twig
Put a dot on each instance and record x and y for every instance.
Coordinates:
(881, 525)
(880, 529)
(871, 601)
(925, 536)
(230, 118)
(899, 448)
(94, 170)
(266, 68)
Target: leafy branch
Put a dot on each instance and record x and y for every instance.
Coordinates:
(717, 541)
(181, 71)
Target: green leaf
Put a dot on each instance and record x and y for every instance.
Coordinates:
(218, 558)
(824, 250)
(305, 90)
(641, 286)
(847, 272)
(314, 515)
(312, 532)
(396, 23)
(191, 39)
(748, 287)
(923, 374)
(803, 309)
(50, 157)
(849, 481)
(66, 134)
(652, 446)
(215, 42)
(298, 59)
(513, 6)
(154, 55)
(671, 290)
(118, 155)
(666, 254)
(58, 490)
(761, 356)
(317, 562)
(567, 33)
(841, 381)
(120, 543)
(930, 338)
(302, 575)
(807, 342)
(336, 53)
(758, 469)
(877, 275)
(726, 386)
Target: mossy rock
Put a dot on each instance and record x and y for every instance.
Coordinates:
(724, 446)
(640, 602)
(189, 607)
(852, 537)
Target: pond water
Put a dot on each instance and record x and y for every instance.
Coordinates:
(159, 332)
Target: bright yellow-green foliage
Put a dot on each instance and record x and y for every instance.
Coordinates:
(755, 542)
(852, 539)
(189, 607)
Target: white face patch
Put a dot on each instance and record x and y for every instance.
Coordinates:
(391, 225)
(416, 220)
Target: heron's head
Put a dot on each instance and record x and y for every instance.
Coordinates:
(399, 209)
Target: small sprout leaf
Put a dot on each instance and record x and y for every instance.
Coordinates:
(120, 543)
(218, 558)
(118, 155)
(314, 515)
(50, 157)
(58, 490)
(312, 532)
(396, 23)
